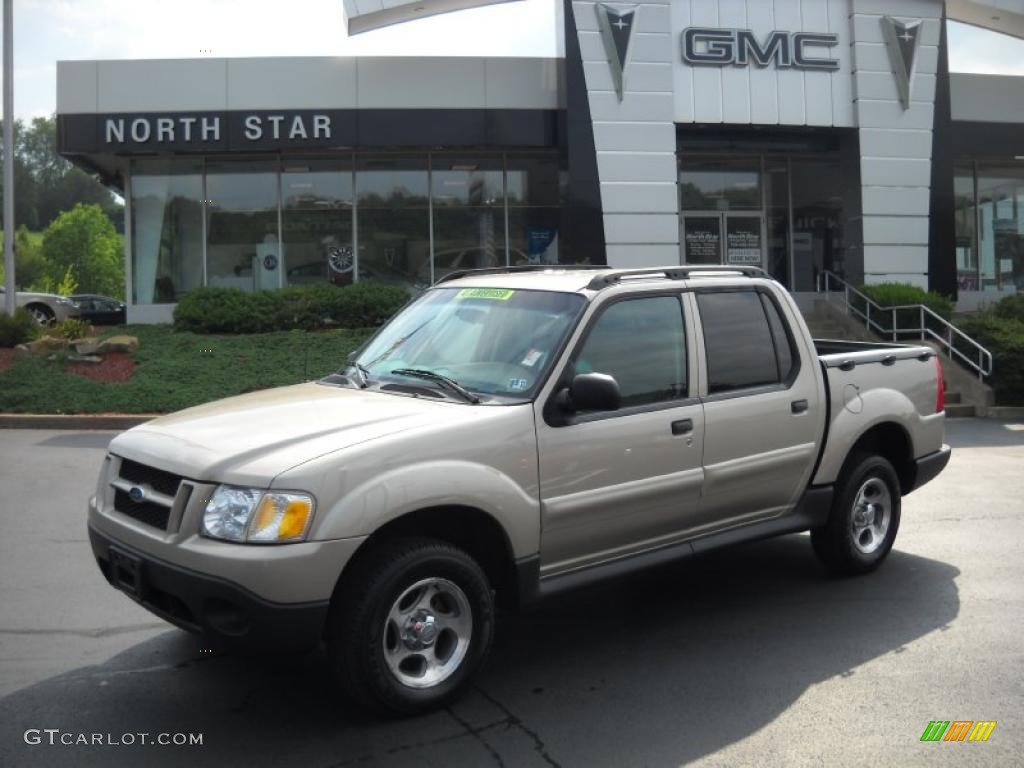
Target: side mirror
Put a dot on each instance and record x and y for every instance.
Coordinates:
(595, 392)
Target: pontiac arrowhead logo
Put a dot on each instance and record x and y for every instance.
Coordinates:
(616, 25)
(902, 39)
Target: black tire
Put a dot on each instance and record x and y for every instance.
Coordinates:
(838, 544)
(358, 626)
(41, 313)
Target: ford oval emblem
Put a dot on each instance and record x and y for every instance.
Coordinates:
(136, 494)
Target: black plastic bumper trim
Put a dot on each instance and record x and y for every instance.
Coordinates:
(225, 612)
(928, 467)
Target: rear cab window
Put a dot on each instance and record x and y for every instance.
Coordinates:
(745, 341)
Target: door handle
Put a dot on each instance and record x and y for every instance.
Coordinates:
(798, 406)
(682, 427)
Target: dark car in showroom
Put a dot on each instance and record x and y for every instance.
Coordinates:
(100, 310)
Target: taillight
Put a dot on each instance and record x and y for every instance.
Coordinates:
(940, 388)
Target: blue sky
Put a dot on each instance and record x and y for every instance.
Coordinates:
(49, 30)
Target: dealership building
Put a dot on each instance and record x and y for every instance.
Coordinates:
(802, 136)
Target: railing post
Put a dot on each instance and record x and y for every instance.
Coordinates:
(894, 323)
(921, 313)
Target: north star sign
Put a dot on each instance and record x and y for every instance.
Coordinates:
(712, 46)
(186, 129)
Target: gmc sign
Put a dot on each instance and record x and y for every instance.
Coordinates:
(708, 46)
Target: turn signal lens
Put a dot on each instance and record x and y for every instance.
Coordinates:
(281, 517)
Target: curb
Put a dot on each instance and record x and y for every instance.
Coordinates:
(101, 421)
(1004, 412)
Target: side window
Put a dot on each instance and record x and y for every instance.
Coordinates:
(737, 340)
(784, 353)
(642, 343)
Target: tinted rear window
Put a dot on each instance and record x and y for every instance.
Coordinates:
(737, 340)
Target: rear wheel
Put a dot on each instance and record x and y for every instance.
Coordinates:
(410, 625)
(41, 313)
(865, 517)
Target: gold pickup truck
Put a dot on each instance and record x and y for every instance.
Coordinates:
(510, 434)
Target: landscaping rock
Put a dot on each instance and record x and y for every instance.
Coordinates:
(22, 351)
(47, 344)
(86, 346)
(120, 343)
(85, 359)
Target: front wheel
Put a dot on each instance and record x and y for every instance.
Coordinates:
(410, 625)
(864, 519)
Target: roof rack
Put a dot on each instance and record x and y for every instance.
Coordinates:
(673, 273)
(519, 268)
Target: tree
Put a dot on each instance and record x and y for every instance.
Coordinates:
(85, 241)
(46, 183)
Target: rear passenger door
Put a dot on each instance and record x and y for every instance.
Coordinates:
(762, 408)
(620, 481)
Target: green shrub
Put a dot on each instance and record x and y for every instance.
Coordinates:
(897, 294)
(72, 328)
(228, 310)
(1010, 307)
(1004, 338)
(17, 328)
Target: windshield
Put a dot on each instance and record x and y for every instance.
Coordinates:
(491, 341)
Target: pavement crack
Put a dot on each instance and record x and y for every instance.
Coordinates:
(538, 744)
(375, 756)
(477, 734)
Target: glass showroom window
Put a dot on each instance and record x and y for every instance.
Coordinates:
(534, 188)
(720, 183)
(167, 229)
(316, 222)
(393, 214)
(965, 216)
(469, 213)
(242, 245)
(1001, 227)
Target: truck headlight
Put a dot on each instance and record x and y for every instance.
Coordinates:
(258, 516)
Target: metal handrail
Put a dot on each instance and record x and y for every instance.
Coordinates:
(983, 363)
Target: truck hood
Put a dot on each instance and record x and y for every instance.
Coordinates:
(250, 439)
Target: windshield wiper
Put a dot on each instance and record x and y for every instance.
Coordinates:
(362, 374)
(450, 384)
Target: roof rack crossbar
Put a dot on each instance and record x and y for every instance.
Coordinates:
(513, 269)
(673, 273)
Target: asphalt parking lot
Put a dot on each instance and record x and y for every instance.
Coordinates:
(744, 657)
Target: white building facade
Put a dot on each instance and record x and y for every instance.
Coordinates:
(802, 136)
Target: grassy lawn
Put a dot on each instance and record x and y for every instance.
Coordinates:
(177, 370)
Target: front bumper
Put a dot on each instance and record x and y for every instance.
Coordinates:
(928, 467)
(227, 613)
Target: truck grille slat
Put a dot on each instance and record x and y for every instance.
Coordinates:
(146, 512)
(159, 480)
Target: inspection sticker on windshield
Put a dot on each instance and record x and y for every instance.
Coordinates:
(532, 357)
(494, 294)
(518, 385)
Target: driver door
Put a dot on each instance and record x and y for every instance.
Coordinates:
(617, 482)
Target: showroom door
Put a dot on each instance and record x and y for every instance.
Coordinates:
(723, 238)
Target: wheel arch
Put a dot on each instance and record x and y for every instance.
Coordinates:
(469, 528)
(891, 441)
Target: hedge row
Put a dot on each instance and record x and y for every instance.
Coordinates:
(898, 294)
(229, 310)
(1004, 338)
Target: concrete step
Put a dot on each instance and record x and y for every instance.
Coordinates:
(960, 411)
(954, 398)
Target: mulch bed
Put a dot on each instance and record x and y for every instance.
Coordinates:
(6, 358)
(116, 366)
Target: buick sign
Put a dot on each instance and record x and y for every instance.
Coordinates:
(709, 46)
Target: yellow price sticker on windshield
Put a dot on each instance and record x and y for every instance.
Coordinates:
(494, 294)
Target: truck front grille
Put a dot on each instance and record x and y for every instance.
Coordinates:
(157, 479)
(158, 488)
(147, 512)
